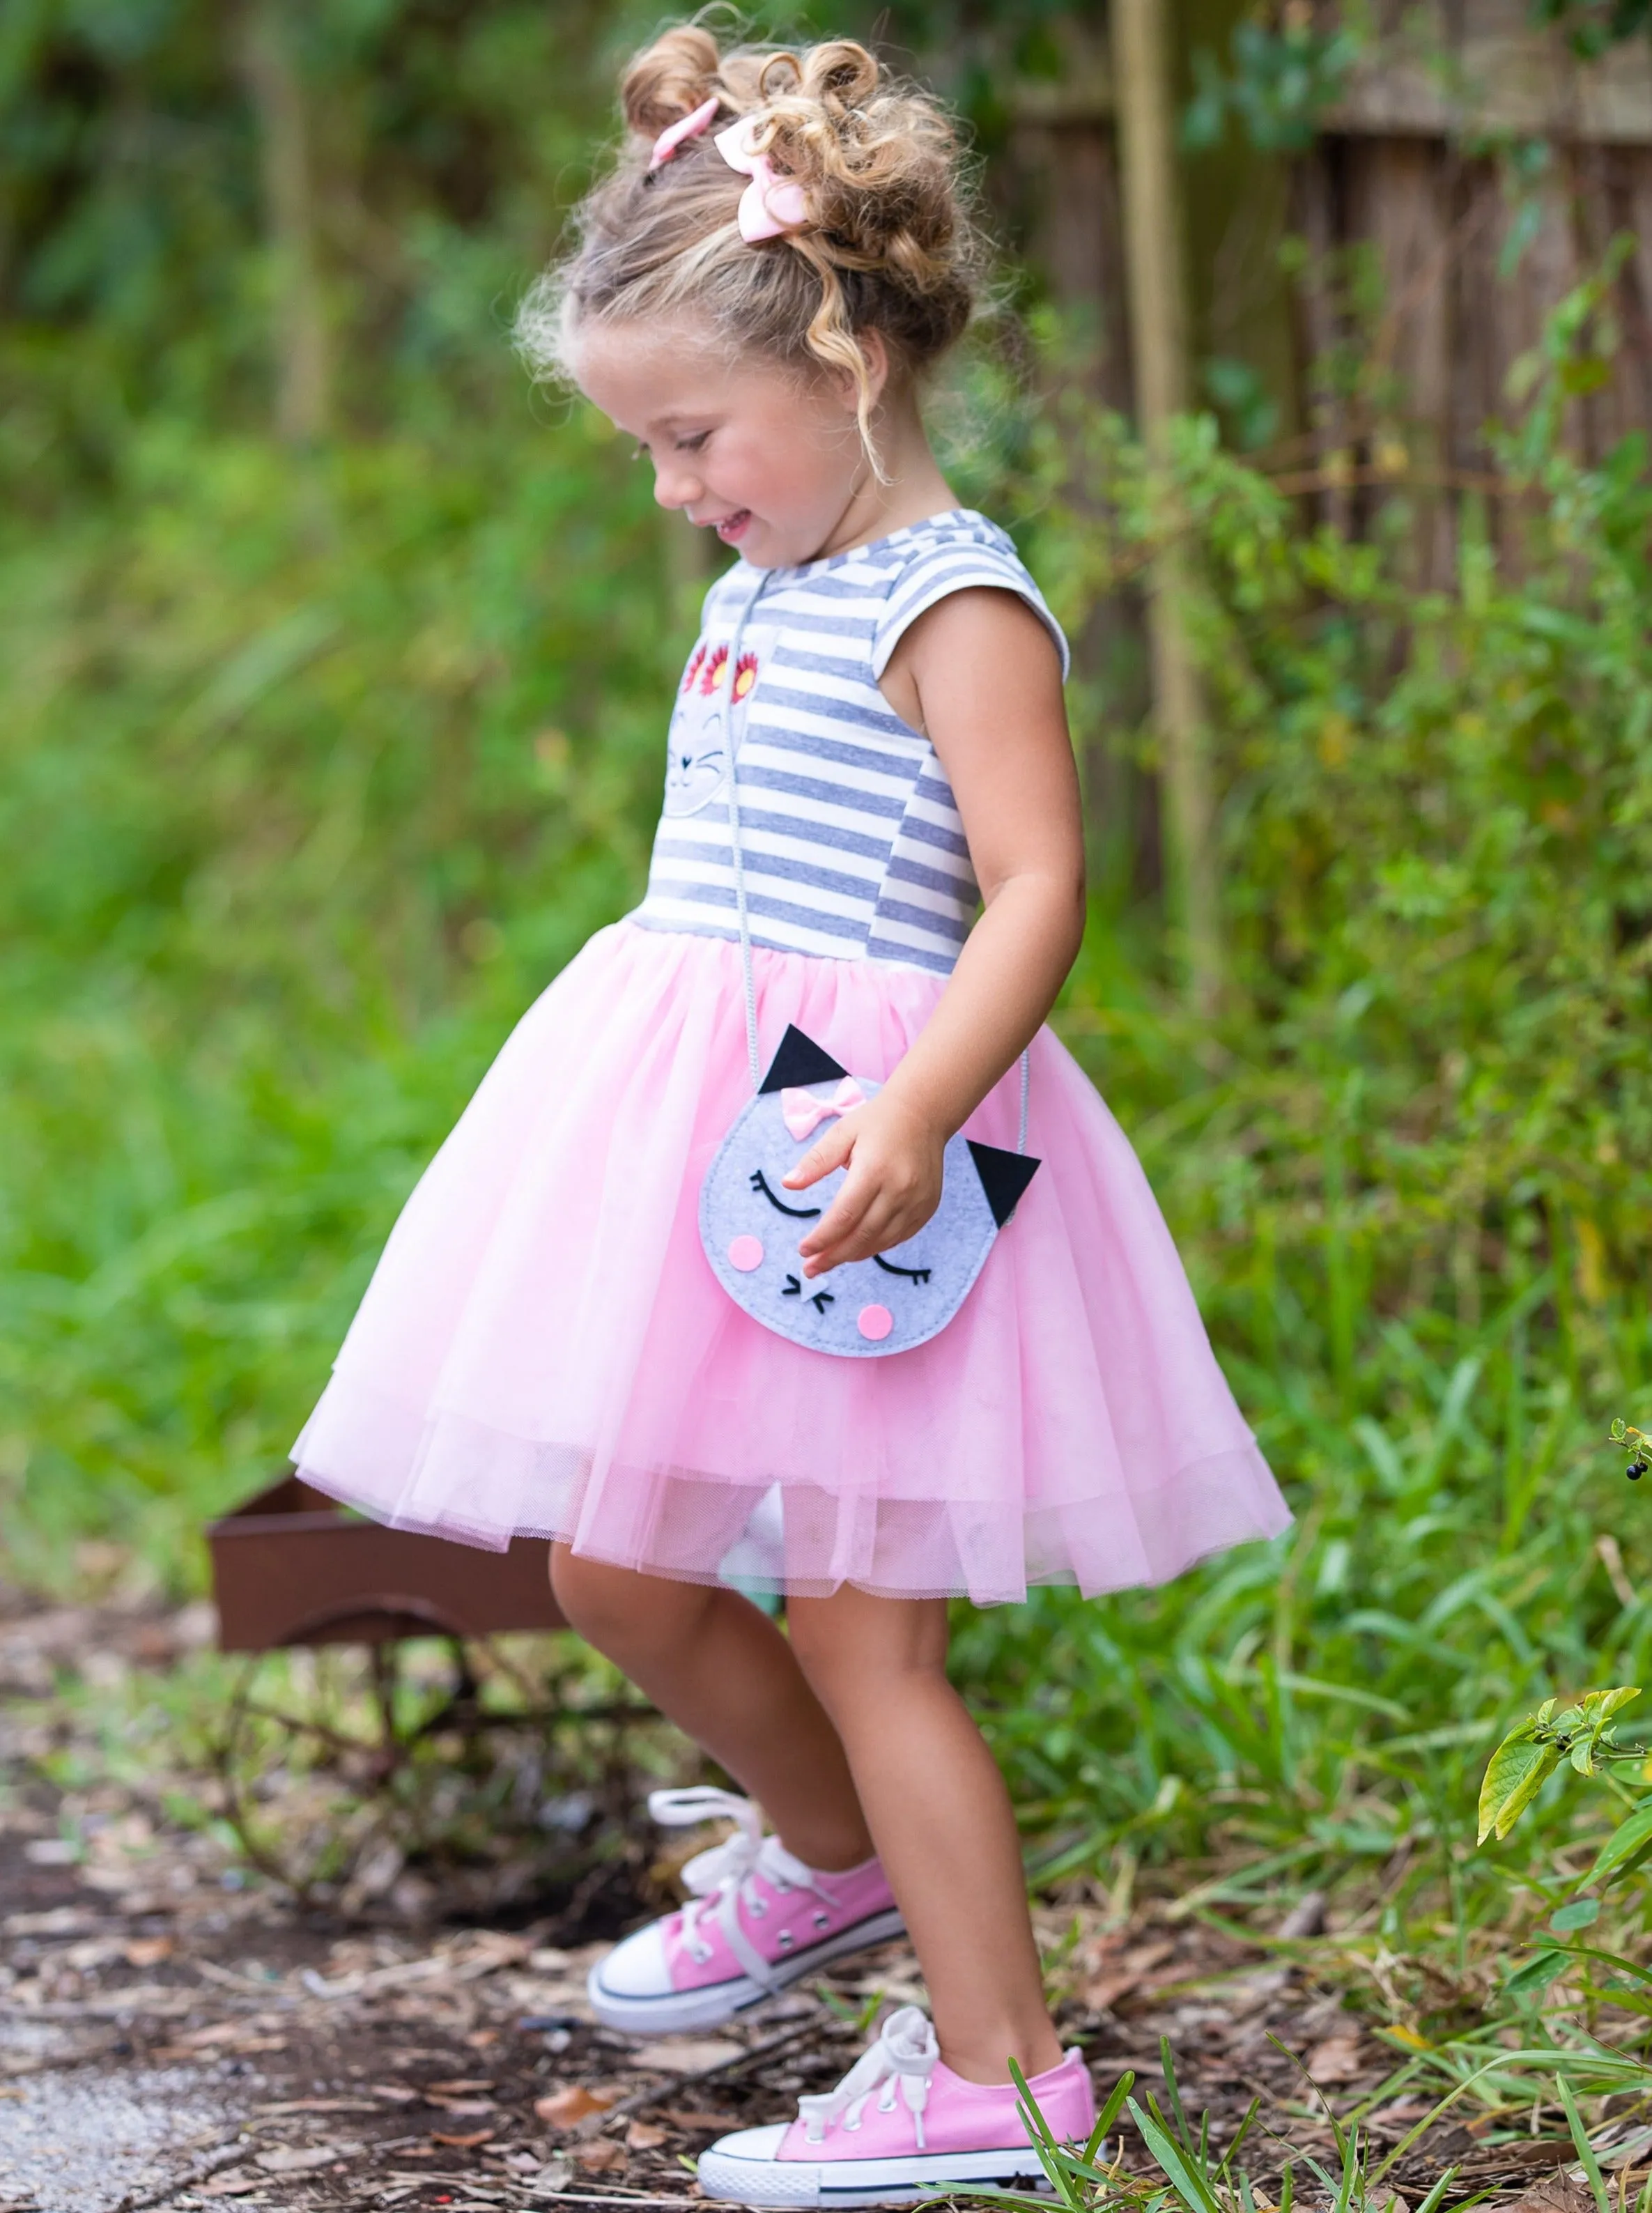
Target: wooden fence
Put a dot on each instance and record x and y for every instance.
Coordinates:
(1481, 167)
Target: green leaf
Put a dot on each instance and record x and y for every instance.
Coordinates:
(1438, 2191)
(1536, 1974)
(1587, 374)
(1576, 1913)
(1603, 1704)
(1591, 2165)
(1193, 2190)
(1628, 1840)
(1109, 2113)
(1518, 1771)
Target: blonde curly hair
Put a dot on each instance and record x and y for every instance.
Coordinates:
(889, 244)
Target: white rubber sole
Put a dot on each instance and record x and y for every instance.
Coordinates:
(675, 2010)
(864, 2181)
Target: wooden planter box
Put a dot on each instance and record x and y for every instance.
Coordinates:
(290, 1567)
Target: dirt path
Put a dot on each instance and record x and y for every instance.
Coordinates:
(174, 2035)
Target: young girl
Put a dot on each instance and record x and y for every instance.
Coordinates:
(592, 1322)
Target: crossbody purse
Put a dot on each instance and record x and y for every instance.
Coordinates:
(751, 1225)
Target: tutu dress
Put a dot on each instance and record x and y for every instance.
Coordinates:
(544, 1349)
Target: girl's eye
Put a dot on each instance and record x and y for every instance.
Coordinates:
(692, 445)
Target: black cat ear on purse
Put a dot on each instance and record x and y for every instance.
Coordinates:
(1004, 1177)
(798, 1060)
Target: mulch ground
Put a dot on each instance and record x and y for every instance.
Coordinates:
(173, 2034)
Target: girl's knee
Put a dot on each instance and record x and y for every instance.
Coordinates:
(851, 1650)
(620, 1611)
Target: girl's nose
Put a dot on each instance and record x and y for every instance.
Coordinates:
(675, 487)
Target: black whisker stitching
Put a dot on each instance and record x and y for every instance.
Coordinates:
(761, 1182)
(918, 1275)
(821, 1301)
(794, 1289)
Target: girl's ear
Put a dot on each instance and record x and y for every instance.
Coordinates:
(875, 352)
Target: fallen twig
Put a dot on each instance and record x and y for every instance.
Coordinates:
(438, 1965)
(594, 2124)
(225, 2155)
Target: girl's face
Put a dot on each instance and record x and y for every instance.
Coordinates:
(768, 459)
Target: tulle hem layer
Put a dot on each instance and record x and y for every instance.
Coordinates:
(802, 1539)
(544, 1350)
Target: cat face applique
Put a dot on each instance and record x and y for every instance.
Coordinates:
(694, 760)
(751, 1225)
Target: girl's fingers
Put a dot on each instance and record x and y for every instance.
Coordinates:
(830, 1152)
(859, 1235)
(842, 1218)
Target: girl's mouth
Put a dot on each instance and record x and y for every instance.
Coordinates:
(733, 526)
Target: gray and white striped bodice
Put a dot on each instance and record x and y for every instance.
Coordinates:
(852, 844)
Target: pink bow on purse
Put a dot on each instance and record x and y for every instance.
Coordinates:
(770, 204)
(802, 1112)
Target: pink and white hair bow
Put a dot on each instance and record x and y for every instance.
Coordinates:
(802, 1111)
(770, 204)
(689, 126)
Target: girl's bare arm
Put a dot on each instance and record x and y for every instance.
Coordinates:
(978, 673)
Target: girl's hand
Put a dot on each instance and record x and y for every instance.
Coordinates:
(894, 1156)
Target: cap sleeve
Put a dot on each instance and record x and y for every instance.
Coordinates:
(958, 565)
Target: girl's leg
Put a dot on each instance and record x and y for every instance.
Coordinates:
(719, 1668)
(941, 1818)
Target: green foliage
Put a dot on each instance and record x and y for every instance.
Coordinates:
(1409, 1164)
(1187, 2174)
(1593, 28)
(311, 779)
(138, 269)
(1280, 82)
(1529, 1755)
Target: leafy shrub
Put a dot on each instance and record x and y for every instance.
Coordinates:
(1409, 1164)
(309, 778)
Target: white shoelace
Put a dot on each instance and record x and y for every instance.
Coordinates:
(903, 2059)
(722, 1879)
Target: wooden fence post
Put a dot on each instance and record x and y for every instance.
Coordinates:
(302, 369)
(1159, 347)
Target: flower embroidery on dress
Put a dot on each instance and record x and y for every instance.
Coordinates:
(745, 675)
(693, 668)
(712, 675)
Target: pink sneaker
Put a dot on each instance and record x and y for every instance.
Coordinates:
(900, 2126)
(758, 1920)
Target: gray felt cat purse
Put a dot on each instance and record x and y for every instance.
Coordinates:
(751, 1225)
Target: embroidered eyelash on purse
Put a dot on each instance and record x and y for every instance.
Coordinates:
(751, 1225)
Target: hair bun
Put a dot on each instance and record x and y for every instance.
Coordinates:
(877, 160)
(670, 79)
(842, 76)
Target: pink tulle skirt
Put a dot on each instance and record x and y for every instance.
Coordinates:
(545, 1351)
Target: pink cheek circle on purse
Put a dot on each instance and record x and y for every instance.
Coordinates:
(751, 1225)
